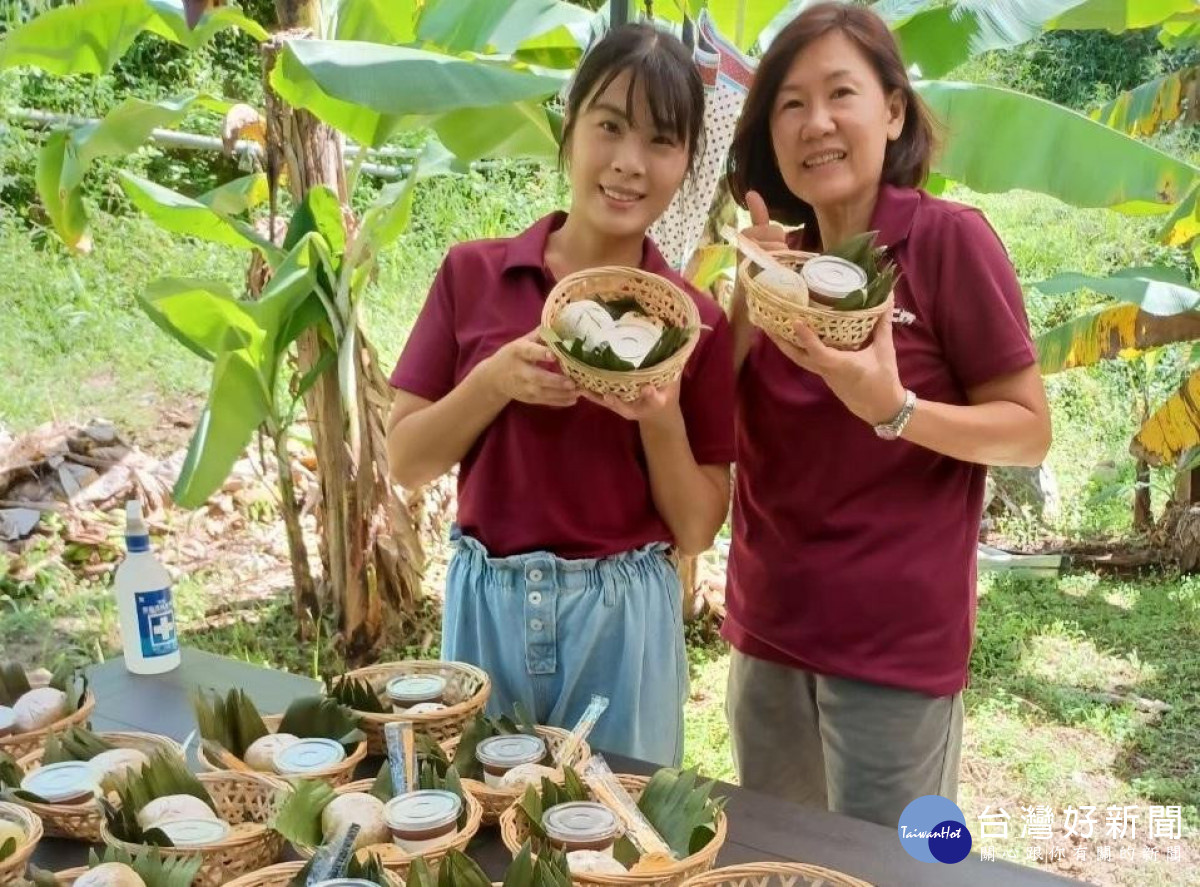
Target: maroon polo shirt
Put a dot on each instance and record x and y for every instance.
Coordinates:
(571, 481)
(851, 555)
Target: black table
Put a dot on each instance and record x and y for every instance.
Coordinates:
(761, 828)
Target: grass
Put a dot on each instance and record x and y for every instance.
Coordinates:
(74, 345)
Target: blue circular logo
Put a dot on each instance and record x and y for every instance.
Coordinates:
(933, 829)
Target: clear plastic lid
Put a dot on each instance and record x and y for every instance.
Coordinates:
(8, 718)
(580, 822)
(305, 755)
(58, 782)
(416, 688)
(833, 277)
(511, 751)
(422, 811)
(190, 832)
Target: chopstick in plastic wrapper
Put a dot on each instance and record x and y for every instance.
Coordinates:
(655, 852)
(569, 750)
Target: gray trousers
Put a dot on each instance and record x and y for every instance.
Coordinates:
(851, 747)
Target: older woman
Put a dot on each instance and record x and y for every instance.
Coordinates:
(861, 474)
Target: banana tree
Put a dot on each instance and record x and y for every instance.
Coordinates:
(481, 76)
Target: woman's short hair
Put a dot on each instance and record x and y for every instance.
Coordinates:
(752, 165)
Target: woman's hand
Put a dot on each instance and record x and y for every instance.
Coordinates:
(652, 403)
(762, 230)
(866, 381)
(513, 373)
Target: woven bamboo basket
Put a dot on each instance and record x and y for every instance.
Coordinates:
(496, 800)
(396, 859)
(82, 822)
(774, 874)
(12, 870)
(337, 774)
(248, 802)
(280, 875)
(514, 831)
(467, 691)
(777, 315)
(18, 745)
(657, 296)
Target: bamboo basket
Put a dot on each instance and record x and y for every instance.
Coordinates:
(18, 745)
(777, 315)
(82, 822)
(774, 874)
(280, 875)
(248, 802)
(393, 857)
(467, 685)
(496, 800)
(658, 296)
(514, 831)
(336, 774)
(12, 870)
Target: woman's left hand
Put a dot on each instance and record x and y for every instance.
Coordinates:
(652, 403)
(866, 381)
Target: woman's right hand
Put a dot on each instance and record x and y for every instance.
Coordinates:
(513, 373)
(762, 230)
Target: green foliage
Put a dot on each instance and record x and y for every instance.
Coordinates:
(370, 868)
(299, 818)
(233, 723)
(76, 744)
(881, 274)
(353, 693)
(164, 775)
(484, 727)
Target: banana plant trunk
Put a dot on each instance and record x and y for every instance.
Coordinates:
(370, 547)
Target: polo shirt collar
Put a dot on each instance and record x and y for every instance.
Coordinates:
(528, 249)
(895, 209)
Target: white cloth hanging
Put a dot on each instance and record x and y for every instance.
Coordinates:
(727, 74)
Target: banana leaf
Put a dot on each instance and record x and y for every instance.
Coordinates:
(672, 339)
(368, 869)
(319, 716)
(354, 694)
(14, 683)
(484, 727)
(165, 775)
(678, 805)
(233, 722)
(459, 870)
(72, 681)
(11, 773)
(299, 819)
(151, 867)
(76, 744)
(418, 874)
(617, 307)
(602, 358)
(534, 803)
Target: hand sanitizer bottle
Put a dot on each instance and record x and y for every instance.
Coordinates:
(144, 609)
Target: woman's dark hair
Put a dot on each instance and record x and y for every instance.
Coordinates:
(663, 66)
(752, 164)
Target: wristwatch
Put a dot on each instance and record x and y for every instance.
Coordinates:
(893, 429)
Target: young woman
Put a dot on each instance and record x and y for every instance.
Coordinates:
(562, 583)
(860, 475)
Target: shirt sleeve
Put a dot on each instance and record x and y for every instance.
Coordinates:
(980, 310)
(706, 397)
(428, 364)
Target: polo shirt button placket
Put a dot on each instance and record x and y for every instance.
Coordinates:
(540, 653)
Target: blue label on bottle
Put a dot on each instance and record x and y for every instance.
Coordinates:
(156, 622)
